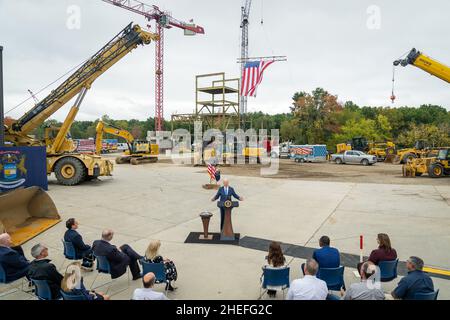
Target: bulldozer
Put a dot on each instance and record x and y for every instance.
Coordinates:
(435, 167)
(139, 151)
(26, 212)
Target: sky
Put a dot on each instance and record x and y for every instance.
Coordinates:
(346, 47)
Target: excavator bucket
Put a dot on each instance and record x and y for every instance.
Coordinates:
(26, 212)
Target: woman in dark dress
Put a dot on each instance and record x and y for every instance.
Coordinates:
(275, 259)
(385, 252)
(152, 255)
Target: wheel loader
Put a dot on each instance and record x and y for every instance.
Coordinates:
(435, 167)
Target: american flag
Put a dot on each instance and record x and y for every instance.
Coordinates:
(303, 151)
(252, 76)
(212, 171)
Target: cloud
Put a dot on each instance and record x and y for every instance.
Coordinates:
(327, 43)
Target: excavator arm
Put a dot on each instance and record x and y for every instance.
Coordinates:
(122, 44)
(421, 61)
(109, 129)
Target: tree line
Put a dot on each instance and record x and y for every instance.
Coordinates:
(315, 118)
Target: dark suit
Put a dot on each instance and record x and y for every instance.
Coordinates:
(14, 263)
(222, 196)
(82, 250)
(118, 260)
(44, 270)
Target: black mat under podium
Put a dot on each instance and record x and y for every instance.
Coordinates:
(194, 237)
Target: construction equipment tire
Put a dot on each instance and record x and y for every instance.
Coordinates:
(70, 171)
(436, 170)
(408, 156)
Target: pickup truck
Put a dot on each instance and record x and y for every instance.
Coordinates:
(355, 157)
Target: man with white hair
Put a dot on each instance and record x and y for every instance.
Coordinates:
(369, 288)
(223, 194)
(42, 269)
(12, 259)
(118, 258)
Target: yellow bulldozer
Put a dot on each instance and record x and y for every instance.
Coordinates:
(435, 167)
(26, 212)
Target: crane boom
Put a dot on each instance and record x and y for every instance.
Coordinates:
(245, 21)
(164, 20)
(421, 61)
(122, 44)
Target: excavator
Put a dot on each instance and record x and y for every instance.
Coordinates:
(72, 168)
(139, 151)
(27, 212)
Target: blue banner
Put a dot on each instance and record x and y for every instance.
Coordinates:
(23, 167)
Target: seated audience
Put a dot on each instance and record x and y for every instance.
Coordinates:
(326, 256)
(275, 259)
(12, 259)
(152, 255)
(147, 292)
(309, 287)
(72, 284)
(119, 259)
(369, 288)
(82, 250)
(416, 281)
(42, 269)
(385, 252)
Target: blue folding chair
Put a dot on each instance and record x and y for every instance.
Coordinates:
(3, 275)
(3, 280)
(274, 279)
(104, 267)
(158, 269)
(43, 291)
(388, 270)
(426, 296)
(334, 277)
(73, 297)
(69, 250)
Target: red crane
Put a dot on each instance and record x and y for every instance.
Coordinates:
(163, 20)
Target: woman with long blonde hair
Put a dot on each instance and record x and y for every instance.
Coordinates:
(152, 256)
(72, 284)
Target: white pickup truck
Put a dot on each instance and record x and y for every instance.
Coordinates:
(355, 157)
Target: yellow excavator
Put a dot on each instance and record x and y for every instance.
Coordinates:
(70, 167)
(139, 151)
(25, 213)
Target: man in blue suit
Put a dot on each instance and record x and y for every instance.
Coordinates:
(12, 260)
(225, 193)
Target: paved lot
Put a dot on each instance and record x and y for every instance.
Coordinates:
(163, 201)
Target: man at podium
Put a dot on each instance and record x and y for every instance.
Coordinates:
(225, 193)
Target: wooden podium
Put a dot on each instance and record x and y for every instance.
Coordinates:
(227, 233)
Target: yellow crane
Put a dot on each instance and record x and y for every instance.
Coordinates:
(72, 168)
(139, 151)
(424, 62)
